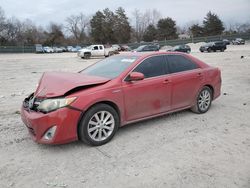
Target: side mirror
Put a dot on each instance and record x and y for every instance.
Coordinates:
(136, 76)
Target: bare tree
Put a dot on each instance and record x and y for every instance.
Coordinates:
(77, 25)
(156, 16)
(12, 30)
(139, 24)
(2, 23)
(143, 20)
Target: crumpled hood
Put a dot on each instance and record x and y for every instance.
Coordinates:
(53, 84)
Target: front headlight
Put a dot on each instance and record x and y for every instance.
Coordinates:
(49, 105)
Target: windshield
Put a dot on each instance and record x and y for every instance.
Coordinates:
(110, 67)
(177, 47)
(140, 48)
(89, 47)
(209, 44)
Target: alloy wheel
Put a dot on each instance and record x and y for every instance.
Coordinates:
(204, 100)
(101, 125)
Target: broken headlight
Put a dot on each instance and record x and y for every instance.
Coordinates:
(49, 105)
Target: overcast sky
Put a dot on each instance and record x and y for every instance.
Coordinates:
(42, 12)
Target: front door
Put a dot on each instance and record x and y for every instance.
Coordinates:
(150, 96)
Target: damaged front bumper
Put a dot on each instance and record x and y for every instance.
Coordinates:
(63, 122)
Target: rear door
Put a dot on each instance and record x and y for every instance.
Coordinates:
(149, 96)
(186, 80)
(101, 51)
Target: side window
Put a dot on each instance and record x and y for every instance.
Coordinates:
(179, 63)
(153, 66)
(146, 48)
(95, 48)
(152, 48)
(100, 47)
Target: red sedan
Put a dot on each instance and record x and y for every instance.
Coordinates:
(92, 104)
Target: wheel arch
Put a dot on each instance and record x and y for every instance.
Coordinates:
(110, 103)
(210, 87)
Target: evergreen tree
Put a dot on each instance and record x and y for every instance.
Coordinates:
(97, 24)
(167, 29)
(196, 30)
(150, 33)
(122, 27)
(212, 24)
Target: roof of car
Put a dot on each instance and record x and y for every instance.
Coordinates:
(145, 54)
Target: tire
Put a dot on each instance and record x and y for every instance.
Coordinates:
(92, 129)
(108, 55)
(203, 101)
(87, 56)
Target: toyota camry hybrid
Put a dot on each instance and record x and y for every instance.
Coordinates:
(92, 104)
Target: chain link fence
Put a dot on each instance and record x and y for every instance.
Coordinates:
(17, 49)
(193, 40)
(32, 49)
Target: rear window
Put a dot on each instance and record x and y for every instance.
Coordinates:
(179, 63)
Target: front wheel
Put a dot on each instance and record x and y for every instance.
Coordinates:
(203, 101)
(87, 55)
(99, 125)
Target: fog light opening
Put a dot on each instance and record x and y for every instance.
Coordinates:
(50, 133)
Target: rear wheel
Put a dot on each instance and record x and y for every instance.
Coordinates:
(99, 125)
(203, 101)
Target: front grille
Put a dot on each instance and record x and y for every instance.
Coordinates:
(36, 104)
(30, 103)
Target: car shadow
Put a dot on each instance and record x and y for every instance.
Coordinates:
(127, 129)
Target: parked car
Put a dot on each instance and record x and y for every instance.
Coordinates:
(226, 41)
(63, 49)
(70, 48)
(78, 48)
(238, 41)
(213, 46)
(182, 48)
(90, 105)
(95, 51)
(147, 48)
(125, 48)
(57, 50)
(116, 47)
(48, 49)
(39, 48)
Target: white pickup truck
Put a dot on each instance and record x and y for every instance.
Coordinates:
(95, 51)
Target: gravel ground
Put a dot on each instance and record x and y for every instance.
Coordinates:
(178, 150)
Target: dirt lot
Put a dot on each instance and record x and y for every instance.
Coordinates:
(178, 150)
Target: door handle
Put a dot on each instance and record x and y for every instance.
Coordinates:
(167, 81)
(199, 74)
